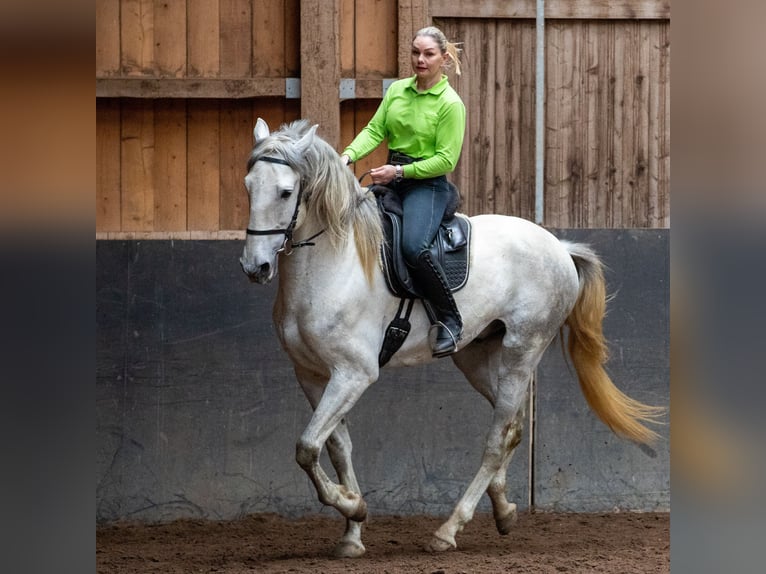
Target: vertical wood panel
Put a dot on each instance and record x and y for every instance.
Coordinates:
(269, 38)
(170, 165)
(320, 66)
(107, 37)
(526, 160)
(347, 38)
(292, 38)
(203, 165)
(236, 38)
(236, 142)
(608, 118)
(107, 165)
(477, 88)
(170, 38)
(137, 160)
(204, 38)
(412, 15)
(660, 152)
(137, 37)
(376, 39)
(639, 204)
(590, 68)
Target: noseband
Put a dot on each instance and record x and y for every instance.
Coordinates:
(287, 231)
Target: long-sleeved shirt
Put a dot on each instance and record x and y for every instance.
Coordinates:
(428, 125)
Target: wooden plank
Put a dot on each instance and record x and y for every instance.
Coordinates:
(170, 165)
(376, 39)
(107, 165)
(412, 16)
(107, 37)
(347, 39)
(269, 38)
(292, 38)
(513, 149)
(641, 123)
(137, 161)
(203, 42)
(527, 171)
(170, 38)
(236, 142)
(224, 88)
(662, 129)
(582, 9)
(203, 165)
(620, 125)
(137, 37)
(236, 38)
(320, 66)
(592, 85)
(606, 110)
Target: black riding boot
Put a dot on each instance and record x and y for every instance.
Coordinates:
(448, 325)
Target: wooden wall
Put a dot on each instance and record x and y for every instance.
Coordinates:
(180, 84)
(607, 137)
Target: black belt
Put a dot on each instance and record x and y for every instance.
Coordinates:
(397, 158)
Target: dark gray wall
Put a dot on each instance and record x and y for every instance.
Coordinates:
(197, 410)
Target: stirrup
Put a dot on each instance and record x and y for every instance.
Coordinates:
(433, 341)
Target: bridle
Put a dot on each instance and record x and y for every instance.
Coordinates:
(287, 231)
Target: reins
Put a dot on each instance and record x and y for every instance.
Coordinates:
(287, 231)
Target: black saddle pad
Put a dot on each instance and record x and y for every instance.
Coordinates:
(451, 246)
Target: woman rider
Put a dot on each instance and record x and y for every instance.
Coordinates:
(423, 119)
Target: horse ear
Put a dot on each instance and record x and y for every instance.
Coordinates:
(303, 143)
(261, 130)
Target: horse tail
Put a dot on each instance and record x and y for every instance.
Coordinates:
(588, 350)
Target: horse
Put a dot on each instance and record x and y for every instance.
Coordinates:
(312, 224)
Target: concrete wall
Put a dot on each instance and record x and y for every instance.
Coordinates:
(197, 410)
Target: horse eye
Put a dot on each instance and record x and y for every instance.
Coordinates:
(286, 193)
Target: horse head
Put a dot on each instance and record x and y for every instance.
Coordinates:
(274, 187)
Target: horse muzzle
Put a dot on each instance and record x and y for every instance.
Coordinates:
(260, 274)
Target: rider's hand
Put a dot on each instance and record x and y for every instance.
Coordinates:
(383, 174)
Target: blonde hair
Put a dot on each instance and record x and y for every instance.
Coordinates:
(445, 46)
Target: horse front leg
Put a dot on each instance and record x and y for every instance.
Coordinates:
(339, 450)
(326, 426)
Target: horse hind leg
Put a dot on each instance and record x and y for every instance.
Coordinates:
(505, 513)
(504, 381)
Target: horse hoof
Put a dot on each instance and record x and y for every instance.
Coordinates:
(349, 549)
(505, 524)
(440, 545)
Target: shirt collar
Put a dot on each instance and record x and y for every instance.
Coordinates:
(436, 89)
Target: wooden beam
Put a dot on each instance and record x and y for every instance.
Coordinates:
(413, 15)
(229, 88)
(583, 9)
(320, 66)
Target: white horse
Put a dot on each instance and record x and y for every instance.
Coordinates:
(333, 307)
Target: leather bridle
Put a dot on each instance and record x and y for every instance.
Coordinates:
(287, 231)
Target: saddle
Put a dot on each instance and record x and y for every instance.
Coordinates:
(451, 248)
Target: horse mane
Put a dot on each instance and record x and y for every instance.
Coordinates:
(331, 194)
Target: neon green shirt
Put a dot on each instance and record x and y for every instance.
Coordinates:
(428, 124)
